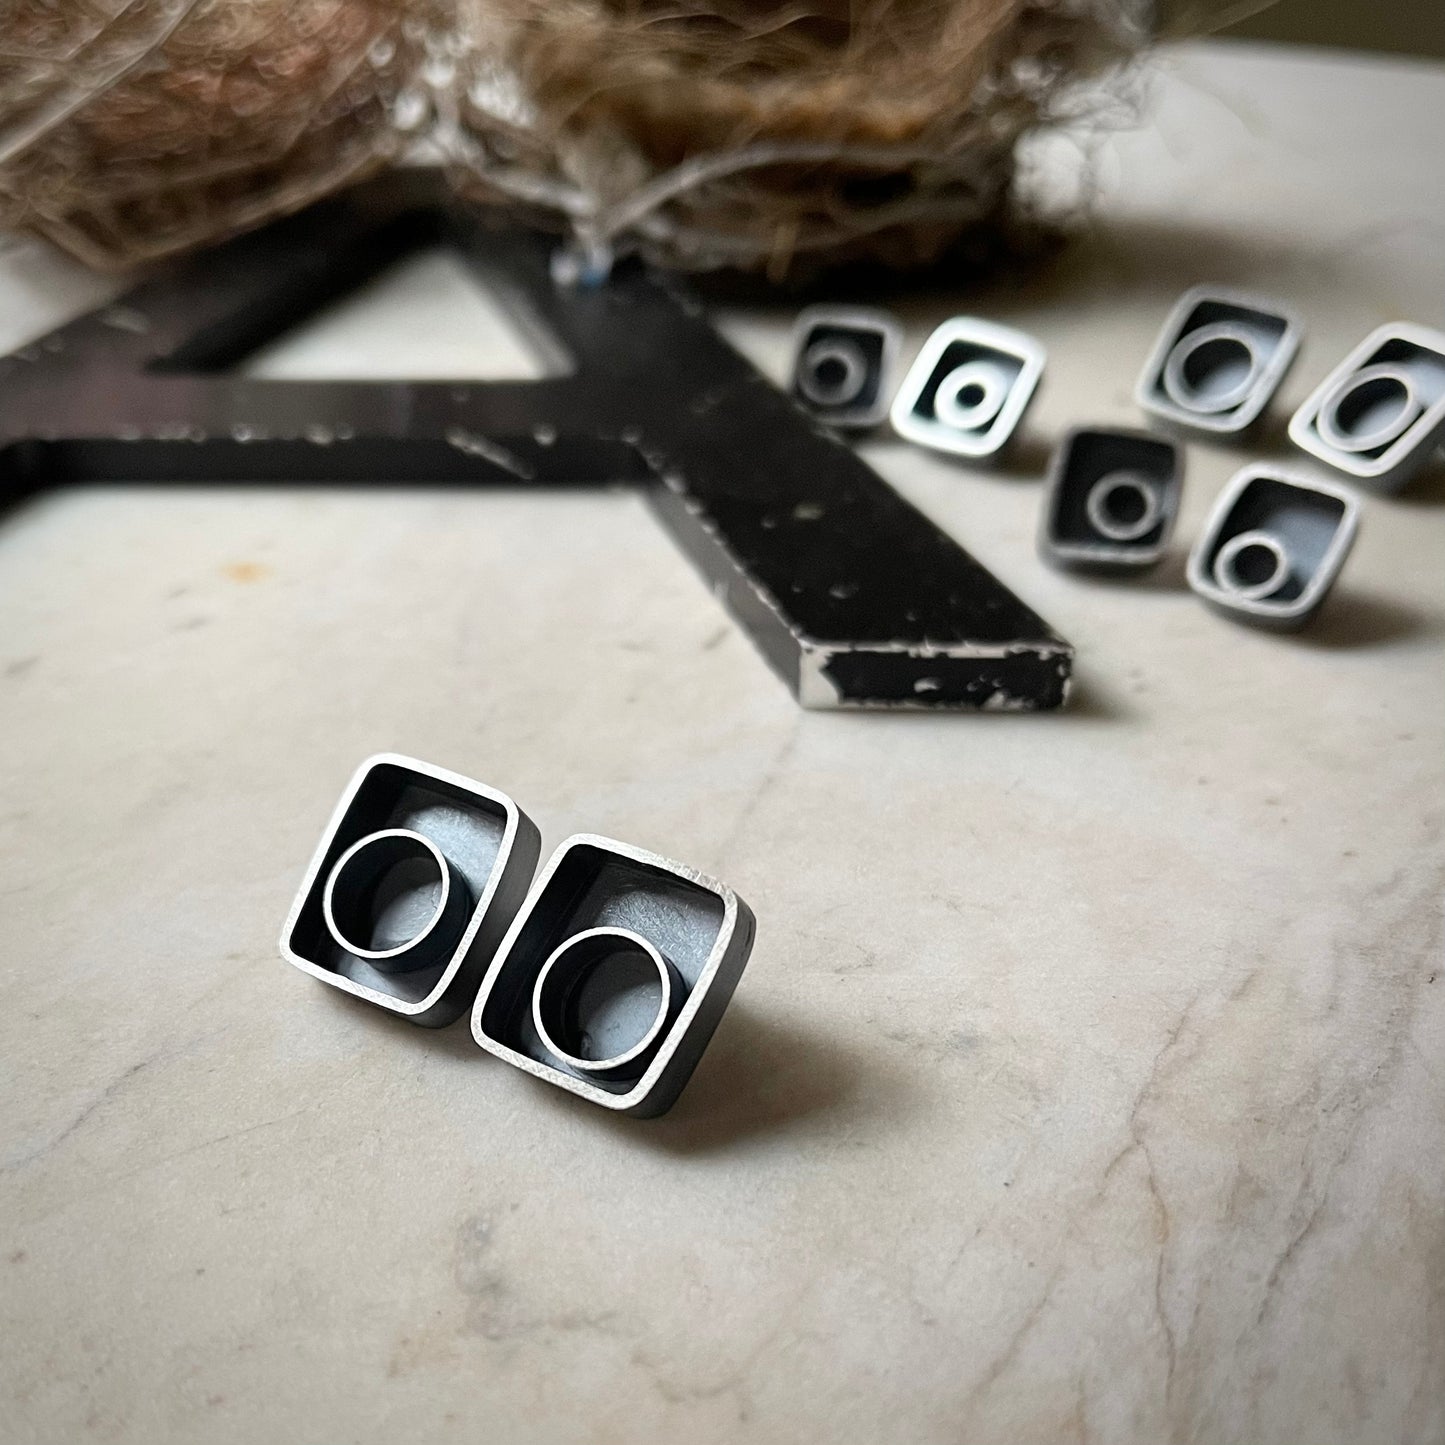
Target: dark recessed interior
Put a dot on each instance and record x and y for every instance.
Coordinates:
(1254, 564)
(469, 833)
(1377, 406)
(1303, 521)
(960, 353)
(1139, 465)
(1126, 505)
(601, 999)
(831, 374)
(387, 893)
(593, 887)
(1219, 366)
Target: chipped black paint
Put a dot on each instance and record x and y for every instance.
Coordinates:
(854, 597)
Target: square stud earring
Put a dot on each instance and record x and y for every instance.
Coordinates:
(1272, 547)
(614, 974)
(843, 360)
(1379, 416)
(1218, 361)
(1111, 500)
(416, 879)
(968, 389)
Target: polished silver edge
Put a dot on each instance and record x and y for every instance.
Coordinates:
(1263, 391)
(1418, 439)
(987, 443)
(1204, 585)
(479, 912)
(695, 999)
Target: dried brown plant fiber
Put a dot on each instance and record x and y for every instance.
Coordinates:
(741, 133)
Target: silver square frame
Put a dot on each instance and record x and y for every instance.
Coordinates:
(1253, 318)
(516, 860)
(1399, 461)
(989, 440)
(1283, 616)
(669, 1069)
(864, 319)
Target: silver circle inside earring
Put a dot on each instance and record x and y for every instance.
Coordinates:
(603, 1001)
(394, 900)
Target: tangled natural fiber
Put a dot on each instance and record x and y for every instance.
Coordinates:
(742, 133)
(131, 128)
(752, 133)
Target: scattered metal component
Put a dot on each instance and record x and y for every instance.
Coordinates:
(968, 388)
(1111, 501)
(843, 358)
(413, 884)
(614, 975)
(851, 594)
(1273, 546)
(1219, 359)
(1380, 414)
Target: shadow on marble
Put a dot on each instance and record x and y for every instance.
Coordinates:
(1164, 257)
(1428, 488)
(1271, 442)
(1167, 576)
(455, 1040)
(1268, 440)
(1025, 460)
(19, 499)
(1150, 256)
(759, 1078)
(1365, 619)
(1090, 700)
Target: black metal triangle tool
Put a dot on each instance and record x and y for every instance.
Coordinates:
(853, 596)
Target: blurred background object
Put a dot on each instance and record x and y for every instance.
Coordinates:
(135, 128)
(735, 134)
(703, 134)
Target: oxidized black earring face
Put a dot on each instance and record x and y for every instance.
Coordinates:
(1111, 501)
(1219, 359)
(843, 359)
(1380, 414)
(416, 879)
(1272, 547)
(614, 975)
(608, 979)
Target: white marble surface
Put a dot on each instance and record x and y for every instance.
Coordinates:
(1087, 1083)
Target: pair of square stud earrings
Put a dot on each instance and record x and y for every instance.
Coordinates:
(606, 976)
